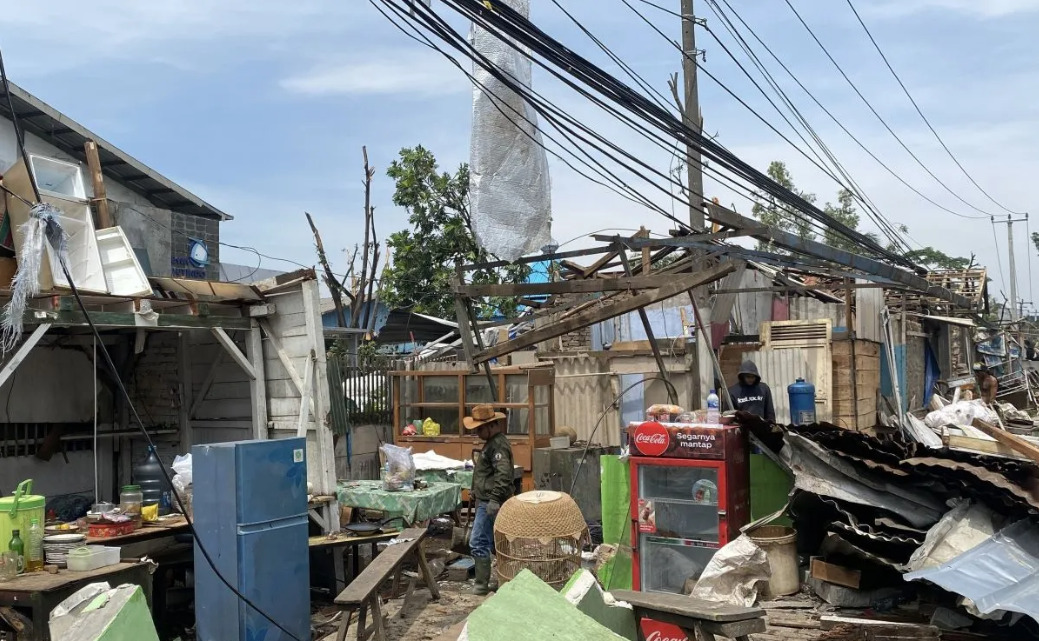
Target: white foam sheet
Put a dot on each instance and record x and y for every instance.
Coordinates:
(509, 186)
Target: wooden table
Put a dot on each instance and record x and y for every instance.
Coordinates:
(353, 544)
(41, 592)
(698, 619)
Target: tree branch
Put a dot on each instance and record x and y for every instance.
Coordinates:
(334, 286)
(369, 172)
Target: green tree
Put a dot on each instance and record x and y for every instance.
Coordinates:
(770, 212)
(847, 214)
(1035, 239)
(424, 256)
(933, 259)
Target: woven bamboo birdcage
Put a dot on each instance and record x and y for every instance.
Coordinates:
(543, 532)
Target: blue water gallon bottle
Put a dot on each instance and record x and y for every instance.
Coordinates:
(802, 402)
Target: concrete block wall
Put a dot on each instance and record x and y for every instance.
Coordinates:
(156, 379)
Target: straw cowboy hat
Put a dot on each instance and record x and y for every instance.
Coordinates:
(482, 415)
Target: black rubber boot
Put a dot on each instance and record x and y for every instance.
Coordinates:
(483, 576)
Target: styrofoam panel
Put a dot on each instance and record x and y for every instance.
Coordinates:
(123, 273)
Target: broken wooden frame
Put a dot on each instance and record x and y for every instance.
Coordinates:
(655, 290)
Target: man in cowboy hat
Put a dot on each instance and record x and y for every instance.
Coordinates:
(492, 486)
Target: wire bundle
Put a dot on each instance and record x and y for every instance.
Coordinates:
(655, 122)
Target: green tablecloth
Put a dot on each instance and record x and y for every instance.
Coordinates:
(462, 477)
(415, 507)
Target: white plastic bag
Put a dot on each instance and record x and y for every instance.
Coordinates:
(399, 472)
(182, 483)
(961, 413)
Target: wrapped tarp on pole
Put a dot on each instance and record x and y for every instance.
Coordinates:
(511, 208)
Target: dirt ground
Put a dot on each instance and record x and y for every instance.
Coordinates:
(423, 620)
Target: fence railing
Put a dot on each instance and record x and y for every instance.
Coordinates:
(359, 396)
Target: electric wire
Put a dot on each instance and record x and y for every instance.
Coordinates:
(552, 118)
(642, 82)
(873, 109)
(552, 114)
(857, 192)
(837, 121)
(654, 138)
(510, 25)
(919, 111)
(999, 263)
(115, 371)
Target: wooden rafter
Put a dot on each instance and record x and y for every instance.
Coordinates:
(675, 285)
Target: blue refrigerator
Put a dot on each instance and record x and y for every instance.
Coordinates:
(250, 507)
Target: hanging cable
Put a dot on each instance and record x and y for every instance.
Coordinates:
(894, 174)
(920, 112)
(881, 118)
(605, 90)
(97, 478)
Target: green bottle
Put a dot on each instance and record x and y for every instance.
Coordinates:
(18, 548)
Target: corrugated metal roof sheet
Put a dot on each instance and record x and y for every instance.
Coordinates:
(779, 368)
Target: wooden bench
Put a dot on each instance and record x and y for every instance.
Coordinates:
(363, 592)
(697, 618)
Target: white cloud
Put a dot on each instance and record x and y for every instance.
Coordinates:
(981, 9)
(416, 72)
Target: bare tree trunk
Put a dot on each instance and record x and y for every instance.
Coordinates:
(360, 299)
(334, 286)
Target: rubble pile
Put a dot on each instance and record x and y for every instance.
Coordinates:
(951, 530)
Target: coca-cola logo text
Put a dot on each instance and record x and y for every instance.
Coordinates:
(656, 635)
(651, 439)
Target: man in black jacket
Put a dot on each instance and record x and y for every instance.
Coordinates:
(492, 486)
(751, 395)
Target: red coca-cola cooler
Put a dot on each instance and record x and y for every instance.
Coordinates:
(690, 487)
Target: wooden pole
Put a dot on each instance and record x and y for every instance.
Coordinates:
(100, 200)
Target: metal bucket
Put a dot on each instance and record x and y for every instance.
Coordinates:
(780, 545)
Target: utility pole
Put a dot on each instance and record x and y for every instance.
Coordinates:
(1009, 222)
(691, 115)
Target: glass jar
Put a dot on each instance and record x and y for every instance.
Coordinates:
(131, 499)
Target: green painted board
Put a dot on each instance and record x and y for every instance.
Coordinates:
(616, 521)
(584, 592)
(528, 609)
(119, 614)
(769, 489)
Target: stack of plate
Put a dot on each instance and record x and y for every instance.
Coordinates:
(57, 547)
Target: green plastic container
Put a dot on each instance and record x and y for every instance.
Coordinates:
(18, 511)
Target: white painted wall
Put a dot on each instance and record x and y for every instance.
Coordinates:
(53, 385)
(297, 331)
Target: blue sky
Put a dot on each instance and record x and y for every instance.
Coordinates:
(262, 107)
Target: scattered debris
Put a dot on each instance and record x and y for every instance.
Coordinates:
(734, 574)
(100, 613)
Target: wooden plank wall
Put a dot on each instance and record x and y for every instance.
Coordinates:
(867, 378)
(225, 414)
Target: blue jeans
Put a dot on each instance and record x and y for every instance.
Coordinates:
(481, 539)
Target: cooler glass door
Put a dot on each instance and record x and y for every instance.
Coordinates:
(678, 524)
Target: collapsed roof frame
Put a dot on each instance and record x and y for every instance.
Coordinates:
(632, 292)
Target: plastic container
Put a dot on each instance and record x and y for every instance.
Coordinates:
(34, 547)
(780, 545)
(18, 511)
(713, 409)
(148, 475)
(131, 499)
(802, 402)
(92, 557)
